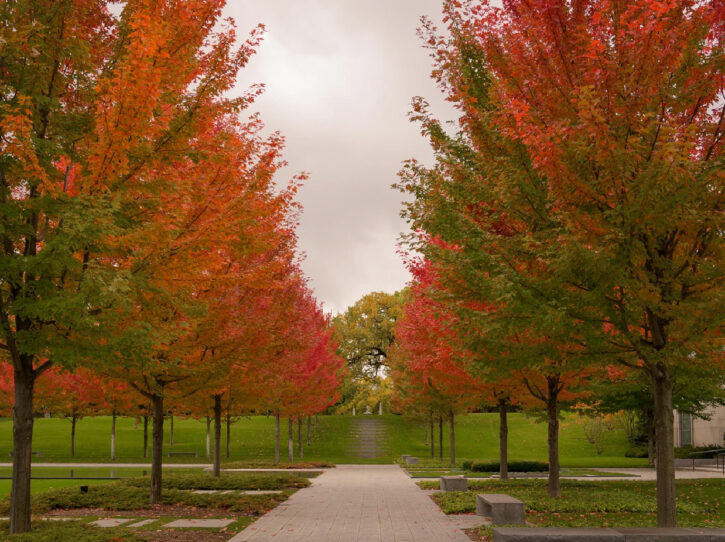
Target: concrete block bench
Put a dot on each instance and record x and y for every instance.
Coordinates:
(454, 483)
(174, 454)
(569, 534)
(502, 509)
(410, 460)
(36, 454)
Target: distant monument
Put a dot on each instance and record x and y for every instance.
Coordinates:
(368, 410)
(353, 411)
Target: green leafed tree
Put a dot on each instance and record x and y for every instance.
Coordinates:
(365, 333)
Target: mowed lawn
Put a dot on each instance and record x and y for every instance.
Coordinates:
(252, 439)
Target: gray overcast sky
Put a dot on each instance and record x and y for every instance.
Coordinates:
(339, 78)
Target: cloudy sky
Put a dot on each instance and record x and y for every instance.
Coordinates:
(339, 78)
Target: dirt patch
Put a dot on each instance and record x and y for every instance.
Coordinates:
(477, 535)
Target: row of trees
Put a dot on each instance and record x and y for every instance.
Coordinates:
(573, 222)
(143, 236)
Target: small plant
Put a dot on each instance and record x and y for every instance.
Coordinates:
(593, 429)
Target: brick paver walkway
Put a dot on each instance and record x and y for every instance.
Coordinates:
(363, 503)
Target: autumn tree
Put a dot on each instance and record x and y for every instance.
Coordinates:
(429, 352)
(606, 119)
(487, 228)
(73, 395)
(103, 107)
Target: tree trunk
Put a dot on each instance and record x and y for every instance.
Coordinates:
(315, 420)
(157, 448)
(665, 444)
(440, 437)
(229, 433)
(432, 438)
(217, 434)
(208, 438)
(651, 432)
(113, 435)
(425, 438)
(171, 430)
(276, 436)
(145, 436)
(73, 421)
(290, 440)
(300, 452)
(22, 447)
(453, 437)
(309, 430)
(503, 439)
(552, 410)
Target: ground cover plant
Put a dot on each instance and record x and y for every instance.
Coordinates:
(252, 441)
(132, 493)
(46, 531)
(700, 503)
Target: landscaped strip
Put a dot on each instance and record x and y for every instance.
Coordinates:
(598, 504)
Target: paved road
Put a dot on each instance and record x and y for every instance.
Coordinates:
(363, 503)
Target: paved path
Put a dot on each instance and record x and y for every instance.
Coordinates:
(363, 503)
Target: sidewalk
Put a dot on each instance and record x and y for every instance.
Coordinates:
(363, 503)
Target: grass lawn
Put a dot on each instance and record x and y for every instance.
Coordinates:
(700, 503)
(252, 440)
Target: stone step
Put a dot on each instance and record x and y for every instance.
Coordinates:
(570, 534)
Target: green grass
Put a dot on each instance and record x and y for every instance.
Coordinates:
(252, 441)
(38, 486)
(700, 503)
(52, 531)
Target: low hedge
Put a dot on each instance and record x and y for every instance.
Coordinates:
(637, 451)
(513, 466)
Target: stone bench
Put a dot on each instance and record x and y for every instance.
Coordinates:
(570, 534)
(410, 460)
(502, 509)
(454, 483)
(175, 454)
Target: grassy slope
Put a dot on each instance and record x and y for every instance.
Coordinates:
(253, 439)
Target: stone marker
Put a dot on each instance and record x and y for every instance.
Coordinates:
(202, 523)
(140, 523)
(410, 460)
(110, 522)
(454, 483)
(502, 509)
